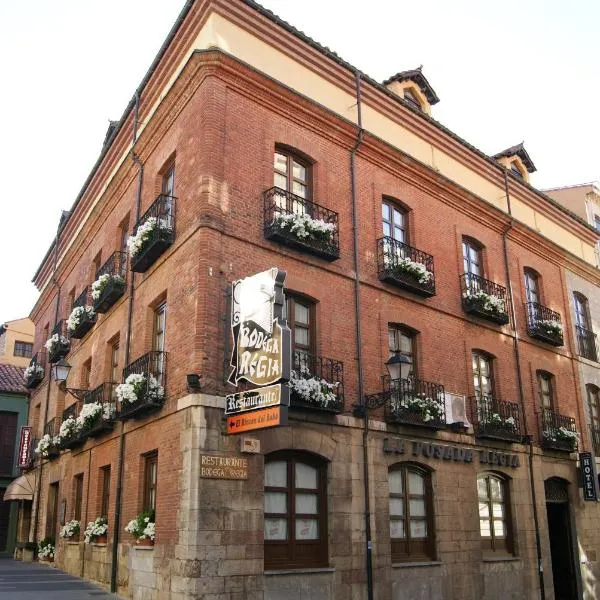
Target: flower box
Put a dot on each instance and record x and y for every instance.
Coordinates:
(560, 438)
(547, 331)
(96, 531)
(58, 347)
(47, 549)
(154, 233)
(314, 393)
(485, 306)
(140, 394)
(106, 290)
(494, 427)
(33, 375)
(143, 528)
(48, 447)
(419, 409)
(70, 531)
(97, 418)
(80, 321)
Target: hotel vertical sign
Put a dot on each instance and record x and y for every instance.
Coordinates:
(588, 473)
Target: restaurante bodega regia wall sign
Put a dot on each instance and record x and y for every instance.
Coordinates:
(261, 353)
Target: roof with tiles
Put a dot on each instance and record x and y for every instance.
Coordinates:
(11, 380)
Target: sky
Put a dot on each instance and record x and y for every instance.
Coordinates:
(507, 72)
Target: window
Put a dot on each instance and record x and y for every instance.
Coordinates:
(532, 286)
(597, 222)
(582, 315)
(295, 511)
(412, 99)
(402, 342)
(123, 234)
(395, 222)
(23, 349)
(8, 440)
(494, 513)
(71, 300)
(150, 472)
(301, 318)
(114, 375)
(52, 511)
(77, 496)
(86, 374)
(593, 394)
(97, 263)
(292, 174)
(168, 181)
(471, 257)
(514, 169)
(483, 375)
(158, 339)
(546, 386)
(105, 492)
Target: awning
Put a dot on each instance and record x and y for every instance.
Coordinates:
(22, 488)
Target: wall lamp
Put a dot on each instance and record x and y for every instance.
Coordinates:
(60, 373)
(193, 382)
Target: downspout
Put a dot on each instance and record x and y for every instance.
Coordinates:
(528, 437)
(119, 491)
(57, 286)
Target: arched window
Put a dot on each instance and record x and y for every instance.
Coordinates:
(411, 513)
(394, 219)
(494, 513)
(483, 373)
(582, 314)
(546, 387)
(295, 511)
(472, 262)
(586, 339)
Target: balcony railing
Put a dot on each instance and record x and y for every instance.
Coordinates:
(105, 414)
(153, 233)
(84, 319)
(544, 324)
(415, 402)
(34, 374)
(483, 298)
(558, 432)
(586, 341)
(111, 279)
(317, 383)
(75, 440)
(51, 428)
(301, 224)
(595, 435)
(60, 348)
(405, 266)
(496, 420)
(145, 393)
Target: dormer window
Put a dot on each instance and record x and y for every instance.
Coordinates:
(514, 168)
(517, 161)
(411, 98)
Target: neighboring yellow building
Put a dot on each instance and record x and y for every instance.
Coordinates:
(16, 342)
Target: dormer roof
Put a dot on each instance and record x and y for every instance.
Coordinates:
(518, 150)
(417, 77)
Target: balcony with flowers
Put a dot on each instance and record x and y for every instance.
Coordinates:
(406, 267)
(544, 324)
(83, 315)
(484, 299)
(301, 224)
(58, 344)
(34, 373)
(496, 420)
(317, 383)
(69, 434)
(143, 389)
(49, 445)
(99, 411)
(152, 234)
(558, 431)
(110, 282)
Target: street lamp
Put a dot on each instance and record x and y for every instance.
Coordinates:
(60, 371)
(399, 366)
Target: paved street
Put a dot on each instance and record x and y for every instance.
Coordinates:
(34, 581)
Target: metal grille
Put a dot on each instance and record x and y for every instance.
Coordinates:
(586, 340)
(557, 491)
(484, 298)
(415, 402)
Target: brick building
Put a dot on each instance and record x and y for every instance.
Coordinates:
(458, 270)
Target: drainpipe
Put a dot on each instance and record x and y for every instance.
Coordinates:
(528, 437)
(119, 491)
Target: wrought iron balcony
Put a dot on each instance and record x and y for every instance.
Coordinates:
(301, 224)
(317, 383)
(76, 439)
(483, 298)
(51, 428)
(586, 341)
(61, 344)
(544, 324)
(415, 402)
(405, 266)
(106, 406)
(34, 374)
(111, 280)
(145, 393)
(153, 233)
(558, 432)
(496, 420)
(85, 317)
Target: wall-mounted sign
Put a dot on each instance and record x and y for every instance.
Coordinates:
(588, 474)
(449, 453)
(261, 351)
(24, 447)
(257, 419)
(223, 467)
(270, 395)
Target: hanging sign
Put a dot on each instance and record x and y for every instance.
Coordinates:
(270, 395)
(588, 474)
(24, 447)
(257, 419)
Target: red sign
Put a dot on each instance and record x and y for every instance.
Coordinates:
(258, 419)
(24, 447)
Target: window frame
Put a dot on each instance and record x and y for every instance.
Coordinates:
(582, 311)
(291, 300)
(52, 509)
(77, 496)
(532, 286)
(292, 156)
(493, 544)
(481, 355)
(410, 96)
(393, 208)
(468, 244)
(402, 331)
(292, 553)
(150, 482)
(23, 349)
(406, 549)
(593, 398)
(549, 379)
(105, 481)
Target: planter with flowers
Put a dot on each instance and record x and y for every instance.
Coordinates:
(106, 290)
(69, 434)
(560, 438)
(416, 409)
(141, 393)
(70, 531)
(58, 346)
(96, 418)
(493, 426)
(143, 528)
(153, 234)
(46, 549)
(486, 306)
(96, 531)
(33, 375)
(80, 321)
(48, 447)
(548, 330)
(310, 391)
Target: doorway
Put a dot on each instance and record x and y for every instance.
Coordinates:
(560, 532)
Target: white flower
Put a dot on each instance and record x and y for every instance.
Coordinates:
(55, 340)
(95, 529)
(421, 404)
(149, 531)
(550, 326)
(304, 226)
(142, 526)
(313, 389)
(490, 302)
(47, 550)
(496, 420)
(135, 386)
(70, 529)
(33, 370)
(45, 444)
(78, 314)
(102, 281)
(68, 429)
(136, 242)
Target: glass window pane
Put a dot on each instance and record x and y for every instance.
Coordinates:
(275, 502)
(301, 313)
(276, 529)
(484, 527)
(499, 528)
(307, 529)
(497, 510)
(276, 474)
(280, 162)
(482, 488)
(387, 230)
(418, 529)
(496, 488)
(416, 483)
(299, 189)
(399, 234)
(385, 212)
(306, 476)
(396, 507)
(395, 479)
(299, 172)
(301, 336)
(398, 217)
(417, 508)
(405, 344)
(484, 510)
(306, 504)
(397, 529)
(280, 181)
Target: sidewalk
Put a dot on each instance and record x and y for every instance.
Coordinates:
(35, 581)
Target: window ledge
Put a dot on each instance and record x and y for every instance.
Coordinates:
(143, 547)
(410, 565)
(73, 543)
(300, 571)
(99, 545)
(493, 559)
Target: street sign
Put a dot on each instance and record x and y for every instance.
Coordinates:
(264, 397)
(24, 447)
(258, 419)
